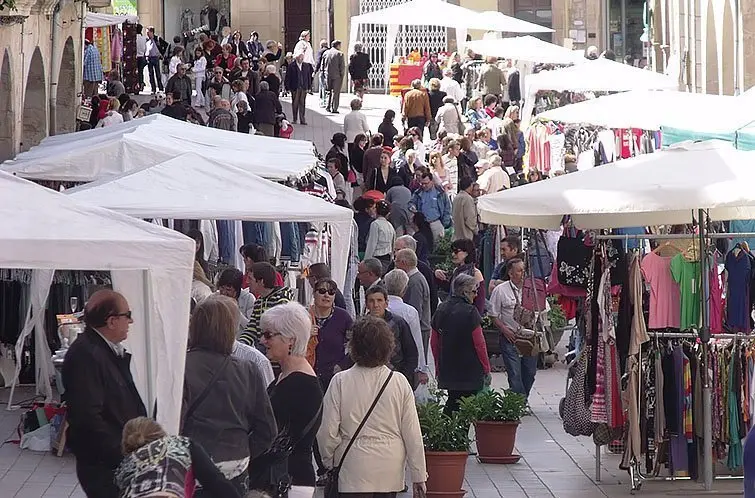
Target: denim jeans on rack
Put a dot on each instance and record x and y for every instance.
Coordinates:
(226, 241)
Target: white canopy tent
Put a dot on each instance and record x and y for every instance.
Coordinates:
(652, 189)
(93, 154)
(593, 75)
(526, 48)
(644, 109)
(100, 20)
(436, 13)
(192, 187)
(43, 230)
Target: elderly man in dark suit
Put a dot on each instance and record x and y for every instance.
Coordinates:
(299, 81)
(334, 65)
(100, 392)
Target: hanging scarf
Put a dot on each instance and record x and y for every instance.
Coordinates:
(317, 324)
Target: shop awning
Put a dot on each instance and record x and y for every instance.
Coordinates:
(652, 189)
(100, 20)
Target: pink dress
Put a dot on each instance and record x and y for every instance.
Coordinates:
(664, 292)
(716, 299)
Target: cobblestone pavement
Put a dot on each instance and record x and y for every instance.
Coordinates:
(554, 464)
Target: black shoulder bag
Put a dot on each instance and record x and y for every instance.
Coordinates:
(269, 471)
(331, 485)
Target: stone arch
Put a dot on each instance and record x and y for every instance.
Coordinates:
(710, 68)
(65, 112)
(7, 118)
(35, 104)
(728, 58)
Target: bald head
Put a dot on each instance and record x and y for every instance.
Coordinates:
(107, 311)
(225, 104)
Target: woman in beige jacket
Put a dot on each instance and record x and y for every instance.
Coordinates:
(391, 438)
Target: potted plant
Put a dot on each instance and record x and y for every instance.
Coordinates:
(446, 441)
(496, 416)
(556, 319)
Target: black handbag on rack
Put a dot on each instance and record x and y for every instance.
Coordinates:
(331, 483)
(573, 260)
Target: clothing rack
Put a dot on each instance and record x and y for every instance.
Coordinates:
(703, 333)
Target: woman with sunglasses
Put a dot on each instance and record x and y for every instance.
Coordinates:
(296, 396)
(330, 328)
(464, 256)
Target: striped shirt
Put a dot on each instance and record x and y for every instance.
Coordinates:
(250, 353)
(252, 334)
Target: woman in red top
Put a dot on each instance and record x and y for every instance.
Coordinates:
(226, 59)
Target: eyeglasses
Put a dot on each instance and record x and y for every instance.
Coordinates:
(127, 314)
(269, 335)
(323, 291)
(456, 250)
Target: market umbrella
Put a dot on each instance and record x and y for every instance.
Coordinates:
(526, 48)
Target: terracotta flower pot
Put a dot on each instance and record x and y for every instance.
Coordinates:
(495, 441)
(445, 473)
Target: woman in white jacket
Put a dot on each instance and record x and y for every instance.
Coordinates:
(391, 437)
(199, 69)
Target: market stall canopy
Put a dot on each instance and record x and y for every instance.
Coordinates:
(665, 187)
(436, 13)
(746, 138)
(43, 230)
(643, 109)
(105, 152)
(100, 20)
(492, 20)
(195, 188)
(721, 124)
(526, 48)
(600, 75)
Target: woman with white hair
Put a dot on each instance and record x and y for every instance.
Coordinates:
(296, 395)
(303, 46)
(458, 344)
(272, 78)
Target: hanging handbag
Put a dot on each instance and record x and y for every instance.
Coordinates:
(459, 122)
(533, 294)
(573, 259)
(269, 471)
(525, 338)
(576, 412)
(331, 478)
(539, 259)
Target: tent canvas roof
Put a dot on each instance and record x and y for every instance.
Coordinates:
(439, 13)
(652, 189)
(103, 152)
(42, 229)
(99, 20)
(526, 48)
(192, 187)
(621, 110)
(593, 75)
(722, 124)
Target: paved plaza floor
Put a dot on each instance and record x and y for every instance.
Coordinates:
(554, 464)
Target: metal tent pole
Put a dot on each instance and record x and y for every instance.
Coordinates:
(705, 339)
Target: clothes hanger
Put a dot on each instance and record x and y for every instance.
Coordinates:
(665, 245)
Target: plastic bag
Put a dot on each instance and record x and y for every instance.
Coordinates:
(425, 392)
(37, 440)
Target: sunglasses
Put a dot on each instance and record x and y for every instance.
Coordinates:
(126, 314)
(269, 335)
(456, 250)
(323, 291)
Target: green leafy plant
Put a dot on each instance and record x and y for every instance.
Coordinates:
(441, 432)
(556, 315)
(493, 405)
(441, 256)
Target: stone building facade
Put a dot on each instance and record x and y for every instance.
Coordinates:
(40, 72)
(708, 44)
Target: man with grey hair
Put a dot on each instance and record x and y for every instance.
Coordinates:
(409, 242)
(220, 116)
(369, 272)
(417, 292)
(267, 106)
(395, 282)
(452, 87)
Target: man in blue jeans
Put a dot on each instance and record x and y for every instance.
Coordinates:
(506, 296)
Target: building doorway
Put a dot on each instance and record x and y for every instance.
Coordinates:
(297, 17)
(35, 104)
(7, 119)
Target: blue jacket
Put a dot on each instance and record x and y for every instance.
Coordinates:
(435, 205)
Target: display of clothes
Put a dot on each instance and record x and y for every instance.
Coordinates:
(740, 268)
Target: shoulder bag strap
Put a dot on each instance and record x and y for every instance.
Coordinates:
(205, 392)
(364, 420)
